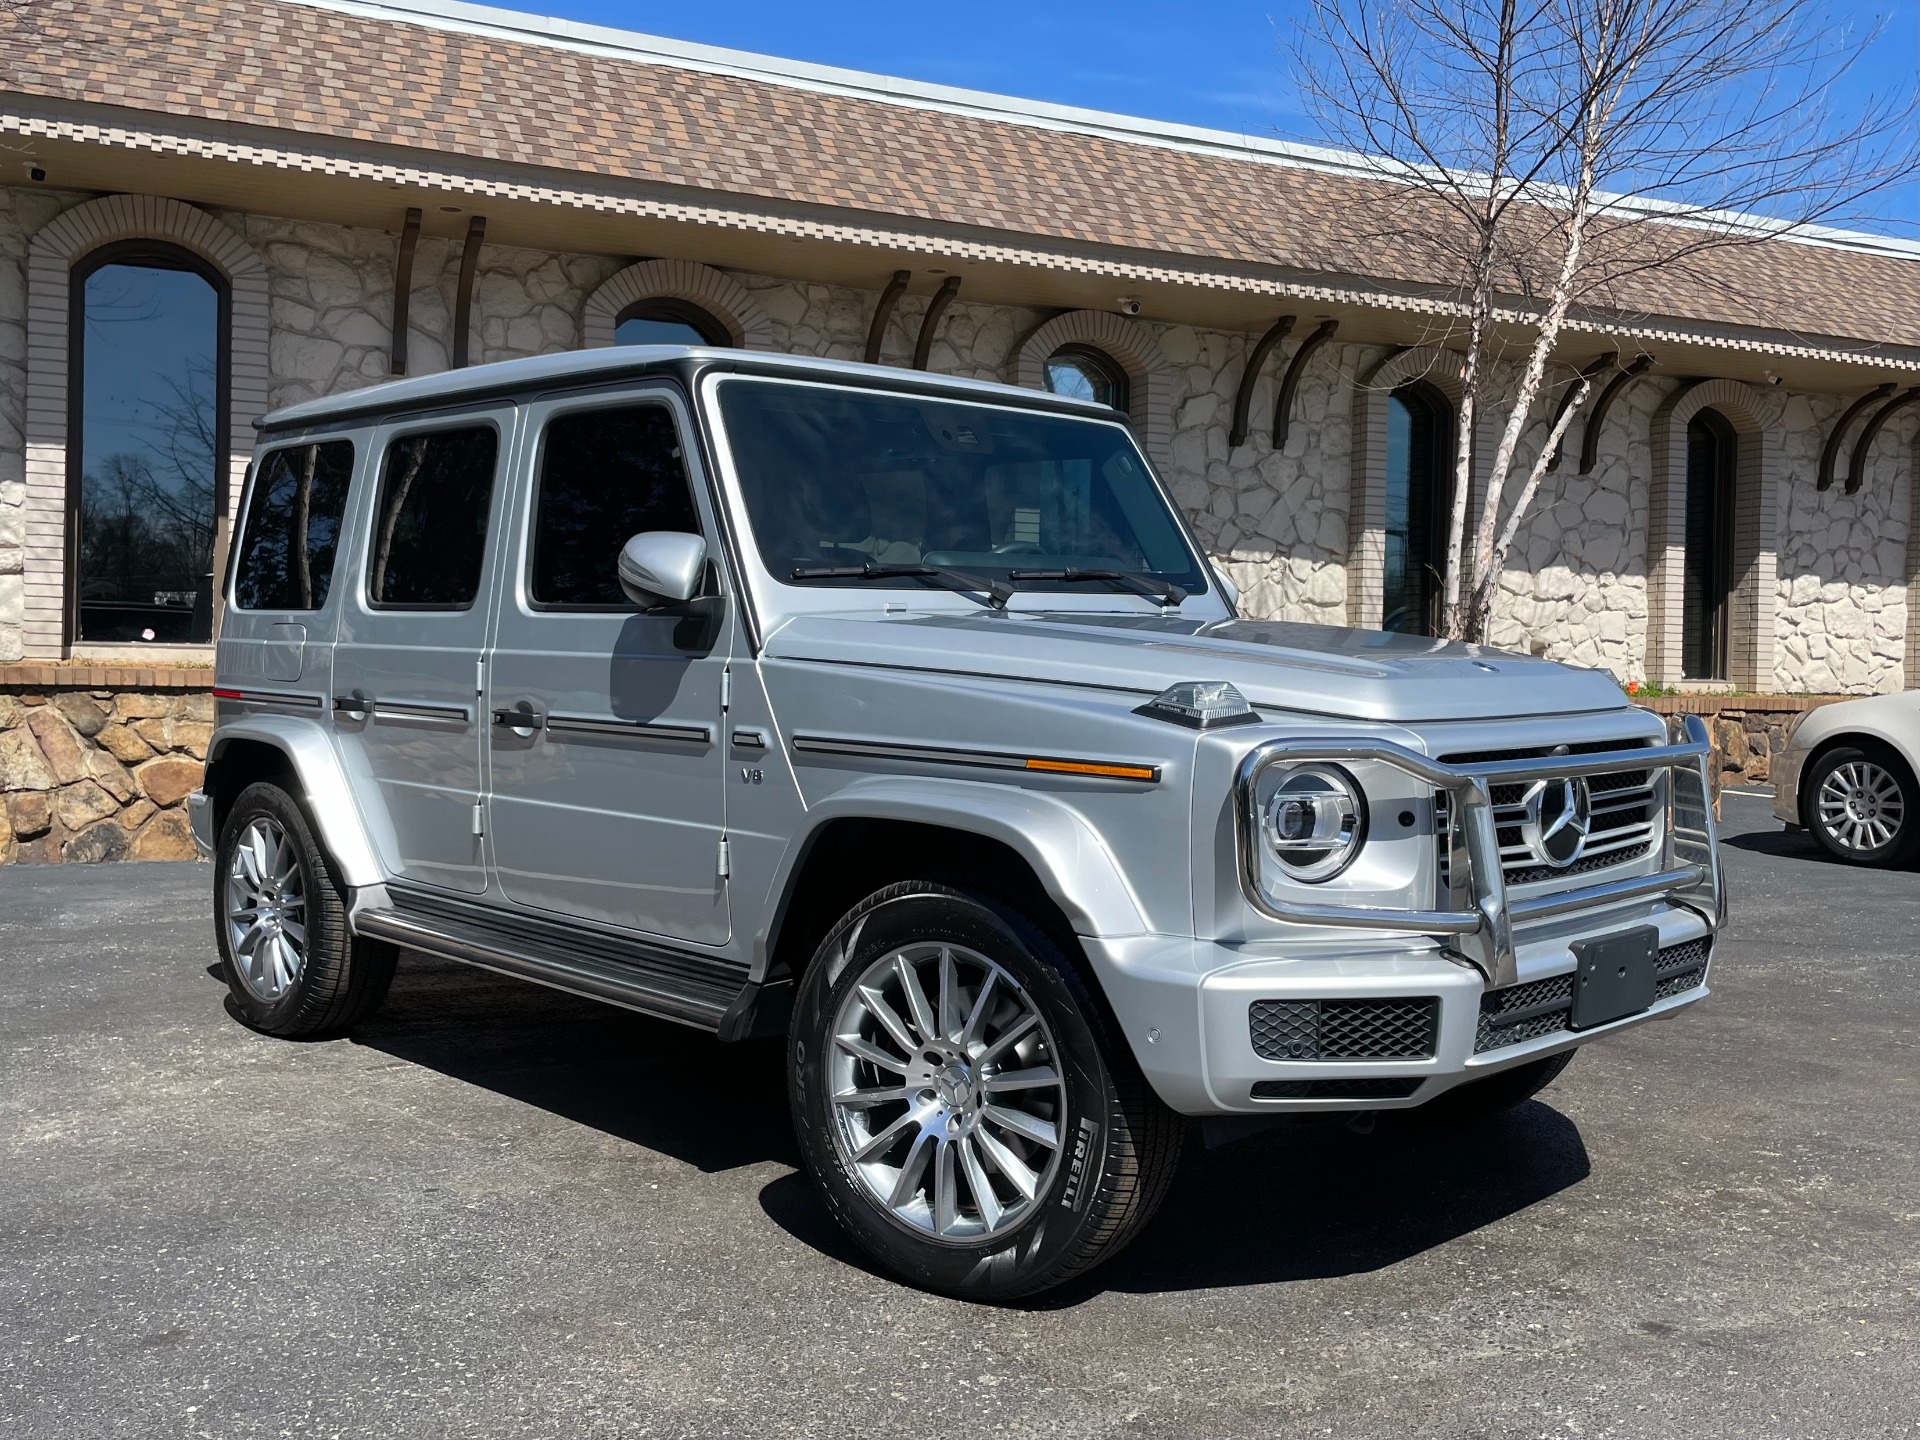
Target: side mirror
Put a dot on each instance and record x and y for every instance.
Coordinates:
(662, 567)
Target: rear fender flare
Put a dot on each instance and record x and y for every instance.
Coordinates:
(322, 785)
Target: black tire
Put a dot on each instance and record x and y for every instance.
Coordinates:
(1867, 756)
(1479, 1100)
(342, 979)
(1118, 1144)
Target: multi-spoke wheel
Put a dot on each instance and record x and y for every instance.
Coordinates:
(961, 1100)
(292, 966)
(266, 909)
(1859, 803)
(946, 1097)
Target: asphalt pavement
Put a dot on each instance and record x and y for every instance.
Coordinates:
(499, 1212)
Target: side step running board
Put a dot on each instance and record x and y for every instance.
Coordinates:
(685, 988)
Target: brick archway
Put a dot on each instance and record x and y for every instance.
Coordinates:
(1751, 606)
(1445, 371)
(720, 295)
(1133, 347)
(67, 239)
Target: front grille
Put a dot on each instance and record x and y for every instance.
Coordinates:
(1398, 1028)
(1625, 816)
(1542, 1007)
(1358, 1089)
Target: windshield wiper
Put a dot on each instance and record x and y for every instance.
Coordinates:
(1163, 591)
(998, 592)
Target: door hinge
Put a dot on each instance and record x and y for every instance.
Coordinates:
(480, 676)
(726, 690)
(479, 817)
(726, 858)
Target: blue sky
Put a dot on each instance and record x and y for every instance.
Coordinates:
(1218, 64)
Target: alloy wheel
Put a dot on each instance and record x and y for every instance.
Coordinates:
(1861, 806)
(266, 909)
(947, 1097)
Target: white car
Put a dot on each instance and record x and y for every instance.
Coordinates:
(1848, 776)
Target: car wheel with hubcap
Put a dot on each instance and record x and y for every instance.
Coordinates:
(962, 1102)
(292, 966)
(1860, 803)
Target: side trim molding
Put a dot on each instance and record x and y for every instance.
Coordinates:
(976, 759)
(630, 729)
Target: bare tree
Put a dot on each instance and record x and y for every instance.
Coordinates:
(1535, 159)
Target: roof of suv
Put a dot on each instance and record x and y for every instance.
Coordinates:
(587, 367)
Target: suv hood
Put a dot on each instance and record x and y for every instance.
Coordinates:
(1320, 669)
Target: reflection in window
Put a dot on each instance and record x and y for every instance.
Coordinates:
(430, 527)
(841, 478)
(1709, 558)
(293, 527)
(150, 453)
(1419, 428)
(664, 321)
(605, 476)
(1087, 374)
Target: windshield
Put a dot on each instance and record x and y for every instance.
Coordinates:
(838, 478)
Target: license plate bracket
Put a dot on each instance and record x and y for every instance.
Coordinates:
(1613, 976)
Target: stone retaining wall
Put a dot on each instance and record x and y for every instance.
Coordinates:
(1747, 730)
(92, 771)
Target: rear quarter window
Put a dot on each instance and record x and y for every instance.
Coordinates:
(292, 534)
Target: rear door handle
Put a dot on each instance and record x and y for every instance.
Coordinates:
(525, 717)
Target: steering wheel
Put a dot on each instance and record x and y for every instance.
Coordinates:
(1018, 547)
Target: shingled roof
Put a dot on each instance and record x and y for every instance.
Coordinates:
(312, 70)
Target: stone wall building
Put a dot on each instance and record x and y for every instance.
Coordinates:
(217, 207)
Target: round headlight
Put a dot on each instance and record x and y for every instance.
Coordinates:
(1316, 822)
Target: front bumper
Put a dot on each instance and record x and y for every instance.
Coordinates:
(1187, 1009)
(1187, 1005)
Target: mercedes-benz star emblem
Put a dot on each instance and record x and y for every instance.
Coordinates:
(1559, 820)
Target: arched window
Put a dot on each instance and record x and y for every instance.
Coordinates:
(147, 457)
(1418, 488)
(1708, 572)
(1088, 374)
(665, 321)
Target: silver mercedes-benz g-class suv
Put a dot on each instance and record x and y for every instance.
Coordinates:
(904, 716)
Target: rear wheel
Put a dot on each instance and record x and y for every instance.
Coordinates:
(292, 966)
(1860, 804)
(961, 1101)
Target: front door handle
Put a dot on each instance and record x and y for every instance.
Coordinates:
(523, 718)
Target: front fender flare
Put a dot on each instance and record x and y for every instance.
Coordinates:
(1067, 855)
(323, 785)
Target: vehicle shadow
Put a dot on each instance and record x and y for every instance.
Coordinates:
(672, 1089)
(1795, 845)
(1306, 1200)
(1312, 1200)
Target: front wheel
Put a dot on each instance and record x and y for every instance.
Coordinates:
(961, 1101)
(1860, 805)
(292, 966)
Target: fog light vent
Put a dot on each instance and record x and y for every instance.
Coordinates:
(1397, 1028)
(1359, 1089)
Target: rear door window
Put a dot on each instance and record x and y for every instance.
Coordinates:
(429, 538)
(292, 533)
